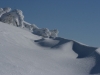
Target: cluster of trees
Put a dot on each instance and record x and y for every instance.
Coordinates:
(46, 33)
(16, 18)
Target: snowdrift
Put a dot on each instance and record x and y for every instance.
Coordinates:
(23, 53)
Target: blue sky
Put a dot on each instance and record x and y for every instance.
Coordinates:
(75, 19)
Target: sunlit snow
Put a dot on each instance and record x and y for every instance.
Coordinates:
(20, 55)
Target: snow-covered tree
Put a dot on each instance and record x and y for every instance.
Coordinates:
(33, 27)
(20, 16)
(4, 10)
(10, 18)
(14, 17)
(54, 33)
(27, 25)
(44, 32)
(7, 9)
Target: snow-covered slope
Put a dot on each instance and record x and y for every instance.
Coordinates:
(20, 55)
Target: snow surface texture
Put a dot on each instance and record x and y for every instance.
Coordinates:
(16, 18)
(20, 55)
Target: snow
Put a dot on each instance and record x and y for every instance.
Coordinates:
(20, 55)
(98, 50)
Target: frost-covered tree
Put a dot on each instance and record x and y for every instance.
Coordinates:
(44, 32)
(20, 17)
(33, 27)
(4, 10)
(27, 25)
(14, 17)
(10, 18)
(54, 33)
(7, 9)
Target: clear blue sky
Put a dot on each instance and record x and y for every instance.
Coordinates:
(75, 19)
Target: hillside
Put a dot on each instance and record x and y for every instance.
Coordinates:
(26, 49)
(23, 53)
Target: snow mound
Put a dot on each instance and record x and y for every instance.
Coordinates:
(75, 50)
(20, 55)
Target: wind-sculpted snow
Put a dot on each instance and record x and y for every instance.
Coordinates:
(81, 50)
(46, 42)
